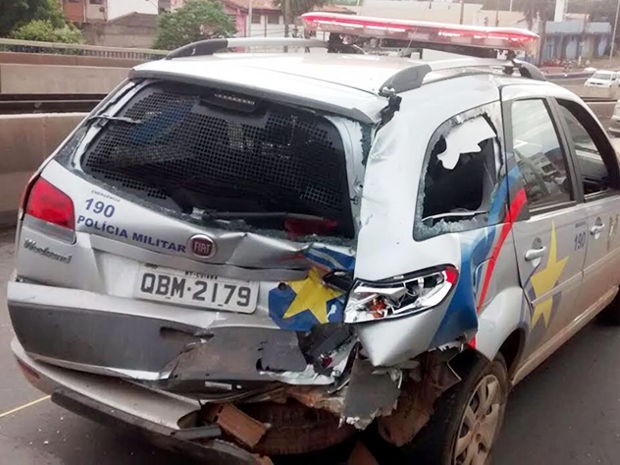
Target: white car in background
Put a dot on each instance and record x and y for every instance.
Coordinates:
(603, 78)
(614, 127)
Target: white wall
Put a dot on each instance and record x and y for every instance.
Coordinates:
(118, 8)
(264, 29)
(95, 12)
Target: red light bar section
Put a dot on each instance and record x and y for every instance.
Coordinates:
(500, 38)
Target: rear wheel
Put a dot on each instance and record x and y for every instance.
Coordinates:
(467, 418)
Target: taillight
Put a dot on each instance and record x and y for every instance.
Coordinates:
(297, 227)
(48, 203)
(400, 296)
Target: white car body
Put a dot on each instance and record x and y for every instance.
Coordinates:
(603, 79)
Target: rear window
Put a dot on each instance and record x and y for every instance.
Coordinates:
(212, 154)
(603, 76)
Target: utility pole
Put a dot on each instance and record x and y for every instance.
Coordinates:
(496, 13)
(613, 35)
(250, 18)
(463, 11)
(582, 48)
(287, 16)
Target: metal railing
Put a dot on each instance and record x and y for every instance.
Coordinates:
(28, 46)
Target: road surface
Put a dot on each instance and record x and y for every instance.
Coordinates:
(565, 413)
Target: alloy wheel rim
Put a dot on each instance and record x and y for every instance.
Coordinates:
(480, 423)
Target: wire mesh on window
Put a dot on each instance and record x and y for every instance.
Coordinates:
(216, 150)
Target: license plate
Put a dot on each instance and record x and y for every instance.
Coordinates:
(196, 290)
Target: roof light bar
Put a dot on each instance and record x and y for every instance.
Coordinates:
(422, 32)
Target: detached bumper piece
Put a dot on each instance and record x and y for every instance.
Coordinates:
(163, 419)
(208, 449)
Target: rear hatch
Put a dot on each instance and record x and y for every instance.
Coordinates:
(205, 207)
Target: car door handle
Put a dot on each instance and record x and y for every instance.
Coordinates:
(597, 228)
(533, 254)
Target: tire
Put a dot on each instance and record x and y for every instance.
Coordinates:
(436, 443)
(611, 314)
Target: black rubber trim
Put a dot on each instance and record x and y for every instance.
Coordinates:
(202, 47)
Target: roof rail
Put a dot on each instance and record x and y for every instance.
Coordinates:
(413, 76)
(211, 46)
(527, 70)
(406, 79)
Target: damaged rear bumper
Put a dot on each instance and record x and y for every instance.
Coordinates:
(171, 352)
(115, 402)
(172, 349)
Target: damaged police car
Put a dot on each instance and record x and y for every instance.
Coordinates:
(261, 254)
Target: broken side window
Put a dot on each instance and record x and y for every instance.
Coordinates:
(460, 173)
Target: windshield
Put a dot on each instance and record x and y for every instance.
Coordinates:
(603, 75)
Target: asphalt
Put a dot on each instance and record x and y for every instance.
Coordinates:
(566, 413)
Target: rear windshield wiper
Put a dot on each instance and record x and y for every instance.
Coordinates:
(457, 215)
(120, 119)
(260, 216)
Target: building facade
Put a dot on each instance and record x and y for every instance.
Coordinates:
(97, 11)
(574, 40)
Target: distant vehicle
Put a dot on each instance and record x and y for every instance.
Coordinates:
(246, 255)
(605, 79)
(614, 128)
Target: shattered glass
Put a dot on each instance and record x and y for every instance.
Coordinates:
(460, 175)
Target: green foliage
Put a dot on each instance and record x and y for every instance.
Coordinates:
(299, 7)
(531, 9)
(196, 20)
(599, 10)
(16, 13)
(44, 30)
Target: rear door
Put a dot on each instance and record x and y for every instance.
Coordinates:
(549, 259)
(598, 177)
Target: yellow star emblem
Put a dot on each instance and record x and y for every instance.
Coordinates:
(311, 295)
(545, 280)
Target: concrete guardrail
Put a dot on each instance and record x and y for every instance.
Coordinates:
(26, 141)
(31, 46)
(67, 60)
(57, 79)
(593, 92)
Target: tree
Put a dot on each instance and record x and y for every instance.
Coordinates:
(16, 13)
(195, 20)
(538, 9)
(532, 9)
(44, 30)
